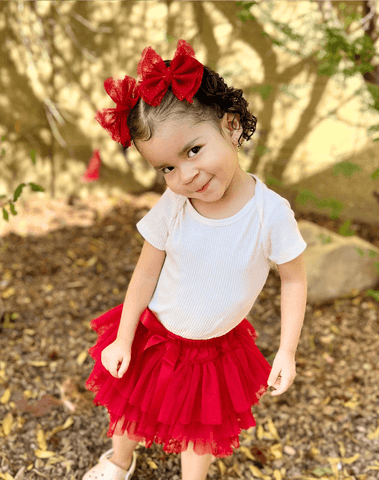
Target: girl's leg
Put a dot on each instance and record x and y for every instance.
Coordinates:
(195, 467)
(123, 449)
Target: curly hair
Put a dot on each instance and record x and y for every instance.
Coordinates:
(213, 99)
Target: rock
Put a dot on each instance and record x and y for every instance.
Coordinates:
(336, 265)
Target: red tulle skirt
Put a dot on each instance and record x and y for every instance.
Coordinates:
(177, 390)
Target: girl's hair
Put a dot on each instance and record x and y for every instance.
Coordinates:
(210, 102)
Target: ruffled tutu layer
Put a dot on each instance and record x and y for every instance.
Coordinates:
(178, 390)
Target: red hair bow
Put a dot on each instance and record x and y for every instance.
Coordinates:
(184, 74)
(124, 92)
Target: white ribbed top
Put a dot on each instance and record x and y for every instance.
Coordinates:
(215, 268)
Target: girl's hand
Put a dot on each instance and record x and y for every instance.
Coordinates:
(115, 353)
(283, 372)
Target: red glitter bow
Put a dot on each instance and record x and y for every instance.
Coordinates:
(184, 75)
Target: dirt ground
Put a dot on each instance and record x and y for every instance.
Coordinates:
(62, 265)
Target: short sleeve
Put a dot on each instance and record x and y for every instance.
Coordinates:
(155, 225)
(282, 240)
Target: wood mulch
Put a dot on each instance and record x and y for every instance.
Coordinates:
(326, 426)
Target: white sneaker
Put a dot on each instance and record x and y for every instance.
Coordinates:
(106, 470)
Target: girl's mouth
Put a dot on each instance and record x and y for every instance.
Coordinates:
(205, 187)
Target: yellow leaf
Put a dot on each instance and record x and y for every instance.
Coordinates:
(374, 435)
(248, 433)
(260, 432)
(68, 423)
(43, 453)
(81, 358)
(255, 471)
(351, 459)
(7, 275)
(29, 331)
(6, 476)
(333, 463)
(277, 475)
(352, 403)
(59, 428)
(6, 396)
(8, 292)
(237, 469)
(91, 262)
(247, 452)
(342, 449)
(335, 329)
(7, 424)
(41, 438)
(277, 450)
(272, 429)
(151, 463)
(37, 363)
(221, 466)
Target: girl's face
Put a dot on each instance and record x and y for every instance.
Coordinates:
(190, 156)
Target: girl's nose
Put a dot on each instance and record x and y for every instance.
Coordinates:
(188, 176)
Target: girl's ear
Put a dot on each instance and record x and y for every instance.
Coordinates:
(232, 120)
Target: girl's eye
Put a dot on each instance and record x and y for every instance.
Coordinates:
(163, 169)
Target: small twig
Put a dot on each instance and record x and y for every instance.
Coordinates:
(89, 25)
(40, 473)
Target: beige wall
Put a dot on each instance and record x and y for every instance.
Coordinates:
(310, 122)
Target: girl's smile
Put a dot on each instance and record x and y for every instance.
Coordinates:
(205, 187)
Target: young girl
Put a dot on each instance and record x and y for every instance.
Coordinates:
(177, 362)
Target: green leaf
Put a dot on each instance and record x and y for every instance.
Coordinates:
(33, 156)
(11, 206)
(373, 128)
(5, 214)
(18, 191)
(345, 168)
(320, 471)
(345, 231)
(373, 293)
(37, 188)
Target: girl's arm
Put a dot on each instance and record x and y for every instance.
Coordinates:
(293, 302)
(140, 290)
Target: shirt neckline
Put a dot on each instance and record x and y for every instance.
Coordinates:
(234, 218)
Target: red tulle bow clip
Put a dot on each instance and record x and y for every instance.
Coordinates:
(124, 92)
(184, 74)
